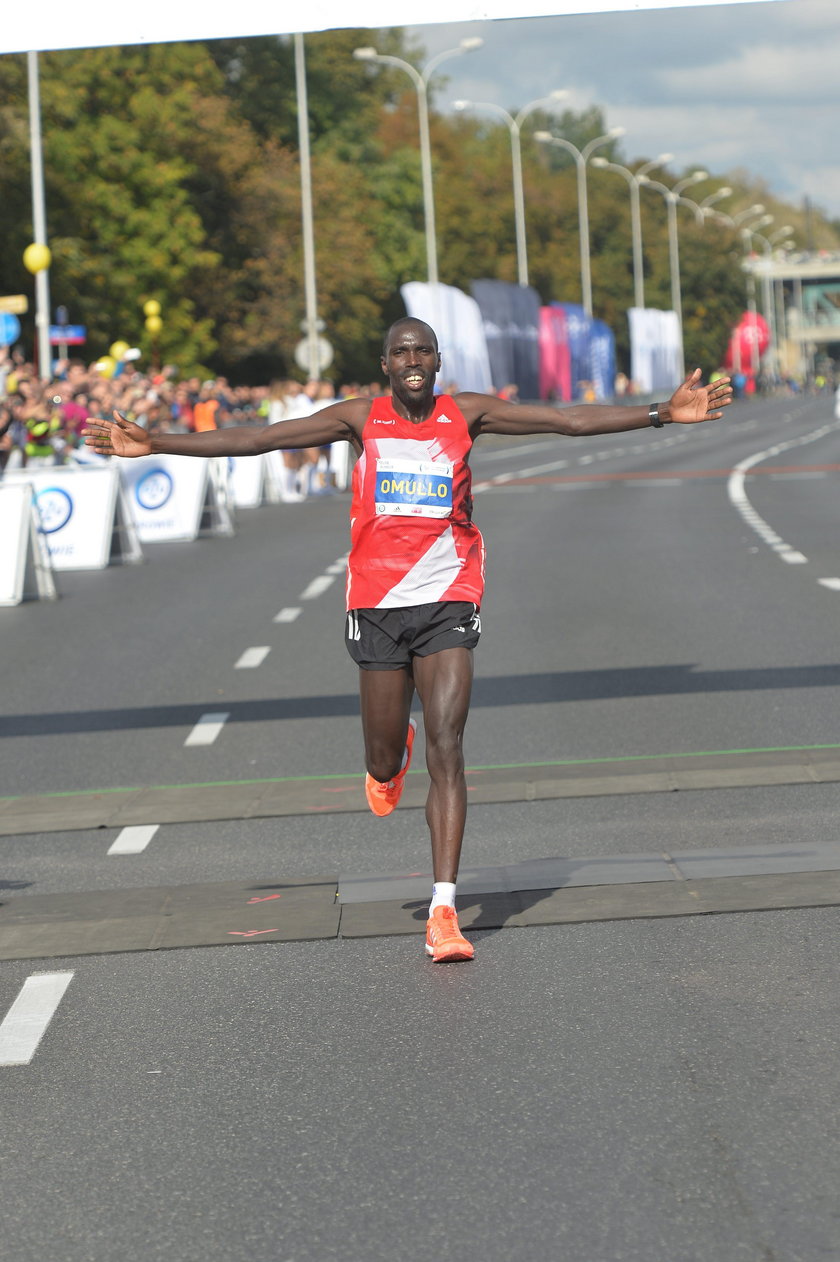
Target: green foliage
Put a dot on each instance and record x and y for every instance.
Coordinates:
(172, 173)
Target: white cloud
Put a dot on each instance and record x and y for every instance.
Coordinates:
(753, 86)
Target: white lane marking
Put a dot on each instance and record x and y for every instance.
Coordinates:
(317, 586)
(338, 568)
(26, 1021)
(740, 500)
(134, 839)
(207, 729)
(504, 452)
(287, 615)
(833, 584)
(253, 657)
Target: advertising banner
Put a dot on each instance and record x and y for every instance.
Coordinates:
(511, 316)
(78, 508)
(246, 480)
(166, 495)
(456, 320)
(555, 359)
(602, 360)
(655, 344)
(578, 336)
(15, 514)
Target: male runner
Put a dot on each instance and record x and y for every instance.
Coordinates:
(415, 575)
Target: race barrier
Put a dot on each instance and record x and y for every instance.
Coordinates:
(25, 570)
(83, 515)
(254, 480)
(177, 497)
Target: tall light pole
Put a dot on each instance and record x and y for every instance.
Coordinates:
(581, 157)
(768, 296)
(421, 79)
(514, 126)
(39, 222)
(633, 179)
(672, 198)
(702, 210)
(746, 238)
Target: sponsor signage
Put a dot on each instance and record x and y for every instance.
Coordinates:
(68, 334)
(76, 508)
(166, 495)
(15, 304)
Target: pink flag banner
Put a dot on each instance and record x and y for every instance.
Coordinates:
(555, 356)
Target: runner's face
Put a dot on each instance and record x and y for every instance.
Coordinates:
(411, 363)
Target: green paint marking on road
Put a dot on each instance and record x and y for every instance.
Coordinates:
(498, 766)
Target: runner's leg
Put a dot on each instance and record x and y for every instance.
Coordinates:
(386, 705)
(444, 683)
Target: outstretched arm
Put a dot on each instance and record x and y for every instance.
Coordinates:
(689, 404)
(336, 423)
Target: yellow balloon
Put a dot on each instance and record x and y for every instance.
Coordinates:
(154, 324)
(151, 308)
(118, 349)
(36, 258)
(106, 366)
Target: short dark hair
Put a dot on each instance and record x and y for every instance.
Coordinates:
(407, 320)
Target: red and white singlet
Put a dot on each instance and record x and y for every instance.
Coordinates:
(412, 540)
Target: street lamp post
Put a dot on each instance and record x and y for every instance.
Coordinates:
(581, 157)
(39, 222)
(746, 238)
(768, 286)
(633, 179)
(672, 199)
(514, 125)
(421, 79)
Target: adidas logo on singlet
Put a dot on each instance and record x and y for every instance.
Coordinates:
(444, 420)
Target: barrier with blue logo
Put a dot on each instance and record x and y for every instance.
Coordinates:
(177, 497)
(82, 514)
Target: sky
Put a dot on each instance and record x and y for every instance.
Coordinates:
(722, 87)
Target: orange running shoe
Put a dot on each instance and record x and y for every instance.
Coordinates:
(382, 798)
(444, 940)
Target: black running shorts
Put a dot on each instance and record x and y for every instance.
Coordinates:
(387, 639)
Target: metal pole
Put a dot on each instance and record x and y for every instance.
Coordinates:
(428, 189)
(310, 289)
(39, 221)
(519, 203)
(583, 217)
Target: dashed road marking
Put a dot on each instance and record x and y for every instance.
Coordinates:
(833, 584)
(317, 586)
(134, 839)
(207, 729)
(253, 657)
(288, 614)
(26, 1021)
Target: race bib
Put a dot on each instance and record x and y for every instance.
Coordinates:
(413, 488)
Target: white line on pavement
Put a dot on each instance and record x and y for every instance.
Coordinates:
(317, 586)
(287, 615)
(740, 500)
(253, 657)
(26, 1021)
(135, 839)
(833, 584)
(207, 729)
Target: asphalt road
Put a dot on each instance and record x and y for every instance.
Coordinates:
(660, 1090)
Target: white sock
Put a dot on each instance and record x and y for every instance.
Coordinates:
(443, 895)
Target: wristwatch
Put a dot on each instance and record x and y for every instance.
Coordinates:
(653, 416)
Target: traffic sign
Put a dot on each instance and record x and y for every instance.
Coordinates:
(9, 328)
(16, 304)
(324, 353)
(67, 334)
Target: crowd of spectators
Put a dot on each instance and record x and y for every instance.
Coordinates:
(41, 422)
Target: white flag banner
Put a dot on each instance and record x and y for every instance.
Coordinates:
(655, 350)
(101, 23)
(456, 319)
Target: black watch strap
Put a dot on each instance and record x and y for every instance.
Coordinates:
(653, 416)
